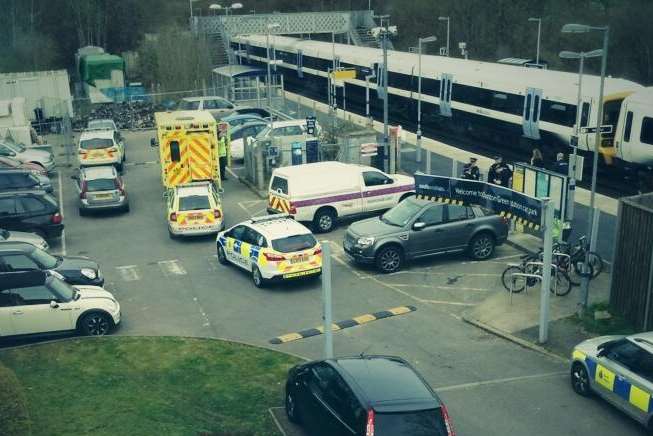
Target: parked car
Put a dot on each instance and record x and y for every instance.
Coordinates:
(15, 179)
(11, 163)
(31, 211)
(620, 370)
(218, 107)
(100, 188)
(30, 238)
(38, 302)
(194, 209)
(420, 228)
(349, 190)
(44, 159)
(239, 133)
(21, 256)
(364, 396)
(101, 147)
(236, 120)
(263, 113)
(102, 124)
(284, 128)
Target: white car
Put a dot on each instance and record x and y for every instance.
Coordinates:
(102, 124)
(101, 147)
(278, 129)
(39, 302)
(271, 248)
(44, 159)
(322, 192)
(194, 209)
(237, 135)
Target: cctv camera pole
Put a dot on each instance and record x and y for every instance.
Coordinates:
(387, 148)
(267, 46)
(326, 300)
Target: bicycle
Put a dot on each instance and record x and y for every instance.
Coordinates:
(577, 255)
(531, 264)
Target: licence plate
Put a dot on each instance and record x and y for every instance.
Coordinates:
(309, 272)
(195, 216)
(299, 259)
(103, 196)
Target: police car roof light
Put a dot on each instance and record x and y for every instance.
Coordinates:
(274, 217)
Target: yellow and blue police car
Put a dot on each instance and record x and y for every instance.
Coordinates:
(619, 369)
(274, 247)
(194, 209)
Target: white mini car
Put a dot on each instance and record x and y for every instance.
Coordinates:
(39, 302)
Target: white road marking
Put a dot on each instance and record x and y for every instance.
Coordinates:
(500, 381)
(129, 273)
(508, 257)
(246, 205)
(171, 267)
(444, 288)
(230, 171)
(448, 274)
(213, 262)
(63, 232)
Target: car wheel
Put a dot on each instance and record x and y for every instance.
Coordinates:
(580, 381)
(171, 235)
(119, 167)
(126, 208)
(482, 246)
(389, 259)
(324, 221)
(222, 258)
(257, 278)
(292, 408)
(95, 324)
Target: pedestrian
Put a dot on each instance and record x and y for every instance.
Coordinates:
(222, 151)
(471, 171)
(500, 173)
(561, 166)
(537, 160)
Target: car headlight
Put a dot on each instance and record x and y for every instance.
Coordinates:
(89, 273)
(365, 242)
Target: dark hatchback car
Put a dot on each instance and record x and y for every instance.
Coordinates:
(31, 211)
(19, 178)
(364, 396)
(420, 228)
(21, 256)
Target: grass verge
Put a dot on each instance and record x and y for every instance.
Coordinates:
(139, 386)
(615, 325)
(14, 419)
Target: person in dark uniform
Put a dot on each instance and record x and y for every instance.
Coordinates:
(561, 166)
(500, 173)
(471, 171)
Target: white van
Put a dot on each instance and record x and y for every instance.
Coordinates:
(322, 192)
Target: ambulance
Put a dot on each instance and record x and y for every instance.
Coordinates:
(190, 170)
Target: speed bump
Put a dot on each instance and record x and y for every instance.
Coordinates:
(357, 320)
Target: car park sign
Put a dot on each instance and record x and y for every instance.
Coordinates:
(511, 204)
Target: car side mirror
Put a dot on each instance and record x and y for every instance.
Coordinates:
(54, 304)
(419, 225)
(153, 142)
(74, 177)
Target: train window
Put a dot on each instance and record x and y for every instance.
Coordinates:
(628, 127)
(585, 115)
(647, 131)
(558, 113)
(527, 113)
(536, 109)
(611, 111)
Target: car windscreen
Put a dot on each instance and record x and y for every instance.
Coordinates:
(95, 185)
(420, 423)
(263, 133)
(186, 105)
(4, 234)
(401, 213)
(194, 202)
(291, 244)
(100, 125)
(62, 288)
(44, 258)
(96, 143)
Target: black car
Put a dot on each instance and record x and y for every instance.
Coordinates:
(20, 178)
(21, 256)
(33, 211)
(364, 396)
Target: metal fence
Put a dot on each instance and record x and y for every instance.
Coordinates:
(631, 292)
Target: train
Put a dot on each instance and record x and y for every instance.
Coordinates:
(512, 108)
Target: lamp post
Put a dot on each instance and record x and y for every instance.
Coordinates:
(420, 41)
(190, 5)
(582, 28)
(384, 29)
(539, 35)
(269, 27)
(215, 8)
(581, 56)
(233, 6)
(447, 19)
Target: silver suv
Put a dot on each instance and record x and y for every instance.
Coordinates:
(100, 188)
(419, 228)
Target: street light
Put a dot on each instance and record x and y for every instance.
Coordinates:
(233, 6)
(420, 41)
(448, 22)
(215, 8)
(539, 36)
(269, 27)
(583, 28)
(384, 31)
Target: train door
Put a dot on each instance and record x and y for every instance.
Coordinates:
(586, 119)
(625, 134)
(446, 86)
(532, 108)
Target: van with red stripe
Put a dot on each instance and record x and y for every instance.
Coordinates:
(323, 192)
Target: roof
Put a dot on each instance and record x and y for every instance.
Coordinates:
(275, 227)
(96, 134)
(22, 279)
(99, 172)
(183, 117)
(204, 98)
(286, 123)
(644, 340)
(312, 168)
(23, 192)
(386, 379)
(197, 188)
(101, 121)
(16, 245)
(558, 85)
(235, 71)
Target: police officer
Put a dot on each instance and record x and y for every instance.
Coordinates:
(222, 151)
(561, 166)
(471, 171)
(500, 173)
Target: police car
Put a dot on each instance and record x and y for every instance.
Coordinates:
(101, 147)
(619, 369)
(273, 247)
(194, 209)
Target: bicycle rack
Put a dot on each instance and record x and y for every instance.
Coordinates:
(555, 267)
(512, 281)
